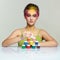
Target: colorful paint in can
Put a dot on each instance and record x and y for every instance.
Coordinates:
(25, 43)
(23, 46)
(36, 43)
(31, 42)
(38, 46)
(28, 46)
(33, 46)
(28, 39)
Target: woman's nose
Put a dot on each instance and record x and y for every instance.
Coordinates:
(31, 18)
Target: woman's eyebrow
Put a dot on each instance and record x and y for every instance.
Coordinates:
(30, 14)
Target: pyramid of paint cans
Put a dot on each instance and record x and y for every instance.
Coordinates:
(31, 44)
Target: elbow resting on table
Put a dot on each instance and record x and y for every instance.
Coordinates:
(4, 44)
(55, 43)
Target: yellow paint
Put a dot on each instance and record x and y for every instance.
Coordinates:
(31, 42)
(32, 11)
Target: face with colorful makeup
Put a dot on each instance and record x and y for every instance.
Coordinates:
(31, 16)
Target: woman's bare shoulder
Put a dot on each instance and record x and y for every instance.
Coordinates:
(18, 30)
(42, 31)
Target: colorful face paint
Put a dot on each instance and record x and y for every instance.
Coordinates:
(34, 15)
(31, 16)
(31, 13)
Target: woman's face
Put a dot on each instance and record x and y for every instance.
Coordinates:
(31, 16)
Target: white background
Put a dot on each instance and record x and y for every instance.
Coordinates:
(16, 53)
(11, 16)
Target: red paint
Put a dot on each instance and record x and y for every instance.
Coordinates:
(28, 46)
(38, 46)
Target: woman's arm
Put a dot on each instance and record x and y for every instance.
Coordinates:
(13, 38)
(49, 40)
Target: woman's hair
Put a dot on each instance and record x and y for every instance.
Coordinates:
(31, 6)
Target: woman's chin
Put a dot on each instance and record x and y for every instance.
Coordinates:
(31, 24)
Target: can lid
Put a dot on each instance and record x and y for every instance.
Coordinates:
(28, 45)
(23, 45)
(36, 41)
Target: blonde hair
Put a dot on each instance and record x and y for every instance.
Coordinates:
(31, 6)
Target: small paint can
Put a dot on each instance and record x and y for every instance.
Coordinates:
(33, 46)
(38, 46)
(31, 42)
(25, 43)
(28, 46)
(36, 43)
(23, 46)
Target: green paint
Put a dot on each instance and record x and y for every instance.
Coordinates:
(33, 47)
(23, 47)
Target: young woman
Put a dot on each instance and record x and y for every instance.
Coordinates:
(31, 14)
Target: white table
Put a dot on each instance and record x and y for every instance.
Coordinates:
(16, 53)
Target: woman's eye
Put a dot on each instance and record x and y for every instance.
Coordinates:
(28, 15)
(34, 15)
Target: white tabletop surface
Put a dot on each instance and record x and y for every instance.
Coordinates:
(17, 53)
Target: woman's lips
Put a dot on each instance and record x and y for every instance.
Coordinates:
(31, 21)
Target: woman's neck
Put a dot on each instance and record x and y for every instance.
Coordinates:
(30, 28)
